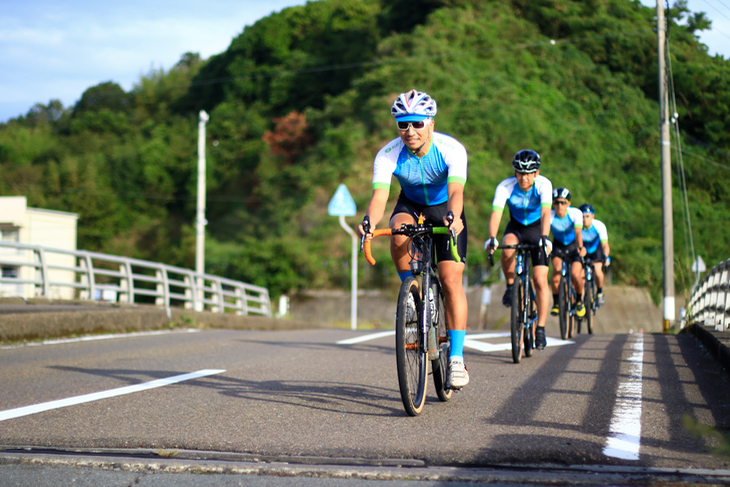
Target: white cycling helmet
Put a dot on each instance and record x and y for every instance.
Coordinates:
(413, 106)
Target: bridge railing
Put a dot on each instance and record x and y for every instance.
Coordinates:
(80, 274)
(709, 303)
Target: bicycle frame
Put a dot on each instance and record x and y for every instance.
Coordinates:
(527, 313)
(523, 265)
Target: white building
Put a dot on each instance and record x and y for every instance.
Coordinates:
(34, 226)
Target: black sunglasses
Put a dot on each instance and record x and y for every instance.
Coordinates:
(561, 202)
(416, 125)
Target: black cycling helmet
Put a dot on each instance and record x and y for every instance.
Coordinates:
(586, 208)
(526, 161)
(561, 193)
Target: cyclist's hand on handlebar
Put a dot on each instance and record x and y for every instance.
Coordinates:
(454, 224)
(607, 261)
(491, 245)
(546, 245)
(364, 230)
(582, 251)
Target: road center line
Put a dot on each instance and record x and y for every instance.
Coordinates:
(624, 437)
(72, 401)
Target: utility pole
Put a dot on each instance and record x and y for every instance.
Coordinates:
(200, 220)
(664, 121)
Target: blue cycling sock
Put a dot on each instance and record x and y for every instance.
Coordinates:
(457, 344)
(403, 275)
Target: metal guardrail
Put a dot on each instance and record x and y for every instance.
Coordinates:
(89, 274)
(709, 303)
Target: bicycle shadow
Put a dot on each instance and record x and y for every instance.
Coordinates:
(339, 397)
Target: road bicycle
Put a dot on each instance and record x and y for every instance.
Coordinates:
(523, 316)
(567, 297)
(589, 295)
(421, 335)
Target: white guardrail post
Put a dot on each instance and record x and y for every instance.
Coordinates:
(129, 280)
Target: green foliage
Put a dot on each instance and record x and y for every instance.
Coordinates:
(299, 103)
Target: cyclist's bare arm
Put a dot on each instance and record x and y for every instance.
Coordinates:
(456, 205)
(545, 220)
(606, 248)
(579, 241)
(494, 221)
(375, 210)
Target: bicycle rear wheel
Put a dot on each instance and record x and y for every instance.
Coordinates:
(590, 304)
(516, 324)
(440, 366)
(410, 350)
(564, 308)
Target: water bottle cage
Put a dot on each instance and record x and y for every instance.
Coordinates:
(518, 268)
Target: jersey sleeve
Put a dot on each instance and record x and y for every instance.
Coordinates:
(577, 216)
(502, 193)
(456, 159)
(602, 232)
(546, 192)
(385, 164)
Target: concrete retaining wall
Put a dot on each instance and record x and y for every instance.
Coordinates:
(53, 320)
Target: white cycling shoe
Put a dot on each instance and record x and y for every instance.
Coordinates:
(458, 374)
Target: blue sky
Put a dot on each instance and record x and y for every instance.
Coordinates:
(57, 49)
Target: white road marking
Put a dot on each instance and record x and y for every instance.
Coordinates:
(624, 437)
(72, 401)
(91, 338)
(470, 341)
(365, 338)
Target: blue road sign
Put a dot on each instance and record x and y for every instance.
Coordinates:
(342, 203)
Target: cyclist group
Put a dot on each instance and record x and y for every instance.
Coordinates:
(431, 168)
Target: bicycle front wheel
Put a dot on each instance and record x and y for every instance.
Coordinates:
(590, 305)
(563, 308)
(517, 325)
(440, 366)
(410, 349)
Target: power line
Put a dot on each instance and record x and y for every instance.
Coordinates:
(718, 11)
(335, 67)
(723, 166)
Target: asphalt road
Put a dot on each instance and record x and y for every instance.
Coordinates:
(296, 403)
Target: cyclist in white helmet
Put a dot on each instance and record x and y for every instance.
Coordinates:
(529, 197)
(431, 169)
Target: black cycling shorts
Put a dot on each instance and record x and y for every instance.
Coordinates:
(598, 255)
(435, 216)
(528, 234)
(569, 253)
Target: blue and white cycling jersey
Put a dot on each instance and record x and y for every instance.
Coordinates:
(423, 179)
(524, 206)
(564, 228)
(594, 235)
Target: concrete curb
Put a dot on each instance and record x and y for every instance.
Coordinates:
(40, 324)
(716, 342)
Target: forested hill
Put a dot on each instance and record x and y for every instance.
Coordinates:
(300, 101)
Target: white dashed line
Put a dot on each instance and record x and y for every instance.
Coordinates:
(72, 401)
(624, 437)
